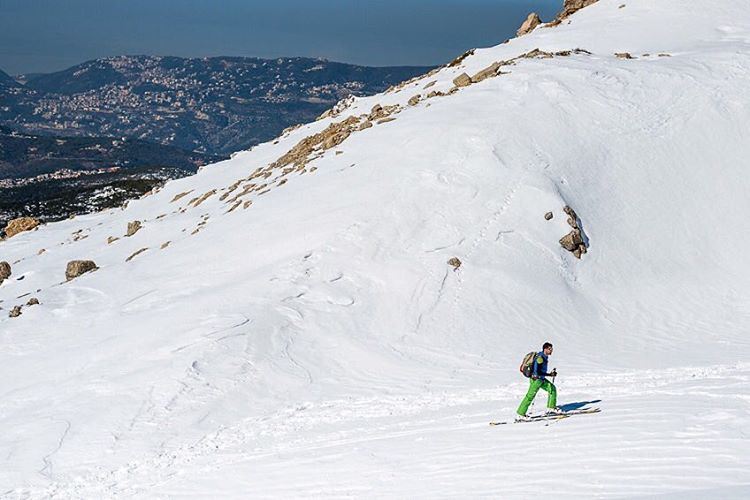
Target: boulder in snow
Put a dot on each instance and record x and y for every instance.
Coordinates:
(133, 227)
(487, 72)
(572, 6)
(548, 216)
(462, 80)
(5, 271)
(455, 262)
(572, 240)
(572, 217)
(461, 58)
(20, 225)
(76, 268)
(531, 22)
(15, 312)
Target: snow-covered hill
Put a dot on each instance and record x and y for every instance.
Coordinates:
(293, 328)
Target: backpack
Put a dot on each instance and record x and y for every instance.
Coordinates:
(527, 365)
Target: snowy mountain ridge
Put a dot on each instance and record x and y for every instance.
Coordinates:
(285, 323)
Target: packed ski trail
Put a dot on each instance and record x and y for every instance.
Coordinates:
(646, 442)
(295, 330)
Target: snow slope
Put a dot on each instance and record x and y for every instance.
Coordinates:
(317, 343)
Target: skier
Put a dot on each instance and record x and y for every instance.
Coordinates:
(538, 381)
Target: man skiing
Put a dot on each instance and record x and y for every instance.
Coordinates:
(538, 381)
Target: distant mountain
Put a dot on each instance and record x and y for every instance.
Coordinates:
(216, 105)
(6, 81)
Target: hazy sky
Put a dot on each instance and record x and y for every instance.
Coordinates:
(50, 35)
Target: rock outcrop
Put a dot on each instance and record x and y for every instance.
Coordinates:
(462, 80)
(133, 227)
(5, 271)
(75, 268)
(15, 312)
(460, 58)
(138, 252)
(529, 24)
(455, 262)
(20, 225)
(488, 72)
(572, 6)
(573, 241)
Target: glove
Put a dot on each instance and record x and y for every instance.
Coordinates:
(554, 373)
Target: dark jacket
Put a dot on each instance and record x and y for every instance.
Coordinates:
(540, 366)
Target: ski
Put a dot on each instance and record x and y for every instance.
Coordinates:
(559, 416)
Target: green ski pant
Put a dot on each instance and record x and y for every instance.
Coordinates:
(534, 386)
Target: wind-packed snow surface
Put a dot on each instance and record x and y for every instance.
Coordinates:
(315, 342)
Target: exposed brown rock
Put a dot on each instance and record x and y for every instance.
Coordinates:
(75, 268)
(570, 7)
(462, 80)
(430, 84)
(20, 225)
(230, 190)
(33, 301)
(572, 217)
(15, 312)
(288, 130)
(181, 195)
(378, 112)
(455, 262)
(165, 245)
(197, 201)
(133, 227)
(339, 108)
(572, 240)
(531, 22)
(548, 216)
(111, 240)
(386, 120)
(536, 54)
(332, 136)
(460, 58)
(487, 72)
(414, 100)
(365, 125)
(41, 251)
(623, 55)
(136, 253)
(5, 271)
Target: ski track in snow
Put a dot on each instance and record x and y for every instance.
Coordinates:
(650, 448)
